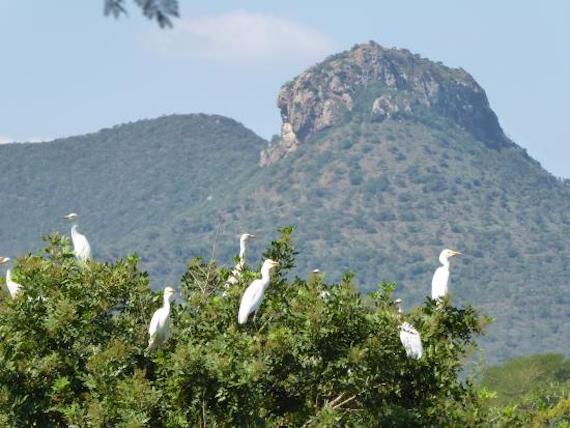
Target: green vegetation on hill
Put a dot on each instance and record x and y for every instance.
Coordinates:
(380, 192)
(124, 180)
(521, 376)
(385, 198)
(528, 391)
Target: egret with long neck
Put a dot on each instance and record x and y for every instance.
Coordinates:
(254, 293)
(81, 247)
(440, 281)
(159, 328)
(236, 272)
(13, 287)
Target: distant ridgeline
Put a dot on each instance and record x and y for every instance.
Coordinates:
(385, 158)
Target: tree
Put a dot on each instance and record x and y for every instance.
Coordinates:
(160, 10)
(316, 355)
(73, 351)
(72, 348)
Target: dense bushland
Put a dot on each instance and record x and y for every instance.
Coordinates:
(73, 353)
(528, 391)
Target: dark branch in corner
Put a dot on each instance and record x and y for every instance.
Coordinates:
(160, 11)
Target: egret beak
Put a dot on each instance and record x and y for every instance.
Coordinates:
(4, 260)
(456, 253)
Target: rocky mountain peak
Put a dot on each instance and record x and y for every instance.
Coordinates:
(395, 82)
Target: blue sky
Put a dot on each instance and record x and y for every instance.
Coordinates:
(67, 70)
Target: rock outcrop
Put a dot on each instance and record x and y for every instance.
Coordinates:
(393, 81)
(286, 145)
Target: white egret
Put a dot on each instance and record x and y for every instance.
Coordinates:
(81, 246)
(315, 273)
(315, 276)
(410, 337)
(440, 281)
(13, 287)
(159, 328)
(236, 272)
(253, 295)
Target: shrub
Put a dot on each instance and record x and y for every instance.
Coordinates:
(73, 351)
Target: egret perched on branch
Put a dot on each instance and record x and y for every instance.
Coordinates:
(81, 246)
(159, 328)
(253, 295)
(410, 337)
(440, 281)
(236, 272)
(315, 276)
(13, 287)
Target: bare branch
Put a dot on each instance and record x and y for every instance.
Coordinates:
(335, 403)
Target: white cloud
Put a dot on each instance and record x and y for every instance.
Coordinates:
(5, 140)
(242, 37)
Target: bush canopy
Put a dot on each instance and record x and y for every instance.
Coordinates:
(73, 350)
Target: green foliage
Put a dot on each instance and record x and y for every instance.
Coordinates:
(532, 391)
(548, 406)
(311, 359)
(73, 351)
(520, 376)
(73, 340)
(283, 251)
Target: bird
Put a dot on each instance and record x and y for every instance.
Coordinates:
(315, 276)
(253, 295)
(410, 337)
(81, 247)
(440, 281)
(13, 287)
(236, 272)
(159, 327)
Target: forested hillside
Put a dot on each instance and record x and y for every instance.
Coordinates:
(385, 159)
(122, 181)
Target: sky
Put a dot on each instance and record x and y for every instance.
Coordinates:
(67, 70)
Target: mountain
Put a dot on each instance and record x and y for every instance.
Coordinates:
(385, 158)
(121, 181)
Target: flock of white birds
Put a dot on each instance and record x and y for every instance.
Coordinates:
(252, 298)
